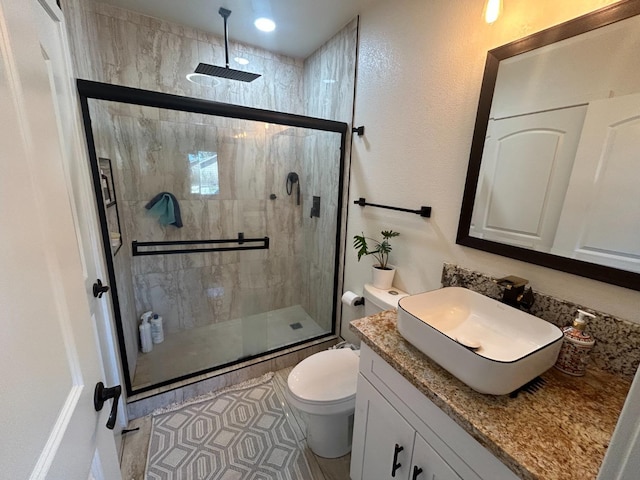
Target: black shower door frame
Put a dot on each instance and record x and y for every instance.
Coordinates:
(88, 90)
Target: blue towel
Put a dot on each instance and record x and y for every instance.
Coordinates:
(166, 208)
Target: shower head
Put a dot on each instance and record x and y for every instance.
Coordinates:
(225, 72)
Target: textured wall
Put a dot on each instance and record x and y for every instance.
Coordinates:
(419, 73)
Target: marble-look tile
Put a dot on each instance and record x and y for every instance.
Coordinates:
(335, 60)
(126, 302)
(159, 292)
(617, 347)
(135, 445)
(143, 404)
(150, 147)
(148, 405)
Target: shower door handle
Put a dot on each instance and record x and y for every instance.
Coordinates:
(101, 394)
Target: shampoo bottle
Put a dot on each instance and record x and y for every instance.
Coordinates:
(574, 353)
(157, 332)
(146, 345)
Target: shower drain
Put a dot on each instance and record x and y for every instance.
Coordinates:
(295, 326)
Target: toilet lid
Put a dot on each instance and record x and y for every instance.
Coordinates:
(325, 376)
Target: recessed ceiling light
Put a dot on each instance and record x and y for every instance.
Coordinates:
(241, 61)
(329, 80)
(265, 24)
(202, 79)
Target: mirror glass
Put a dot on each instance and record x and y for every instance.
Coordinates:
(554, 171)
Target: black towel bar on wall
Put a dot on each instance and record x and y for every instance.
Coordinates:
(422, 211)
(143, 248)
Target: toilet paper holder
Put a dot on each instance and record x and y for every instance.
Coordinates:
(352, 299)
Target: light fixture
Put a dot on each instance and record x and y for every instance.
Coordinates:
(202, 79)
(329, 80)
(241, 61)
(265, 24)
(492, 10)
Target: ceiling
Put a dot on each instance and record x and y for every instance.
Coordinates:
(302, 25)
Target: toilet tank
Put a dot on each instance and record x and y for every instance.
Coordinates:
(376, 300)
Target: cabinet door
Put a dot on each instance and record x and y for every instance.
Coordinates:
(383, 440)
(428, 465)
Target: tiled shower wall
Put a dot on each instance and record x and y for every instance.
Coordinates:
(198, 289)
(139, 51)
(106, 145)
(122, 47)
(329, 77)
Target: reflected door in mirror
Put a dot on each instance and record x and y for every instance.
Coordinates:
(600, 219)
(525, 171)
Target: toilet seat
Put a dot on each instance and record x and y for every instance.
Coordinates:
(325, 383)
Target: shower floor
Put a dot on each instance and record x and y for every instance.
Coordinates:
(200, 348)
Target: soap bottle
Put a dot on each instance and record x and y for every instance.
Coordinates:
(146, 343)
(574, 353)
(157, 332)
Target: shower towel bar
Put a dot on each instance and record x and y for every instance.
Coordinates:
(263, 244)
(422, 211)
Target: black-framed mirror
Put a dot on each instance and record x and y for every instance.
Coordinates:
(552, 175)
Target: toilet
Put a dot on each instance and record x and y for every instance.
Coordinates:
(323, 386)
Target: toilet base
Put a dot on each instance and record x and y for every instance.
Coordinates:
(329, 436)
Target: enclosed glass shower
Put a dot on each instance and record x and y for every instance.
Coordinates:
(222, 220)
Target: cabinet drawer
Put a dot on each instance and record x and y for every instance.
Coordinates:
(457, 448)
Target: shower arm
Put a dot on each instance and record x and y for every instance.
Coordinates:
(224, 13)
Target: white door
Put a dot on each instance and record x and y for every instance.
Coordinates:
(52, 36)
(526, 166)
(383, 440)
(49, 358)
(604, 194)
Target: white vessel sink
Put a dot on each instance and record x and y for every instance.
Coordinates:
(490, 346)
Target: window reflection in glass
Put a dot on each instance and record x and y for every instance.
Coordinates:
(204, 173)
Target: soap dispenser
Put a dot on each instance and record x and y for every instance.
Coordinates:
(146, 343)
(574, 353)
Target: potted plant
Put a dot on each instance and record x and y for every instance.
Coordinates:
(383, 272)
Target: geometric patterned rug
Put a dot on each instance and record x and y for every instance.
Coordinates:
(235, 434)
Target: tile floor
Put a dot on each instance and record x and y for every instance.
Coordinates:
(135, 444)
(200, 348)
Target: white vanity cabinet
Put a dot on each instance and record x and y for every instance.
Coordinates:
(400, 434)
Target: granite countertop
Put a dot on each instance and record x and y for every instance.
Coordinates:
(562, 431)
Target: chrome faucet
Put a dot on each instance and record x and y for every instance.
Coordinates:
(514, 293)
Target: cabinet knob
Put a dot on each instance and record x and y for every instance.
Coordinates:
(395, 465)
(416, 472)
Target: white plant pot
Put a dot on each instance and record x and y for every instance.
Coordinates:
(383, 279)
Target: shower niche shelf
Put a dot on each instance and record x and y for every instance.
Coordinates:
(110, 205)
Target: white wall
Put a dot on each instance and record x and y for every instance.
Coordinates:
(419, 73)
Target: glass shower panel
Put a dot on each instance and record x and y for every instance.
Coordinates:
(217, 239)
